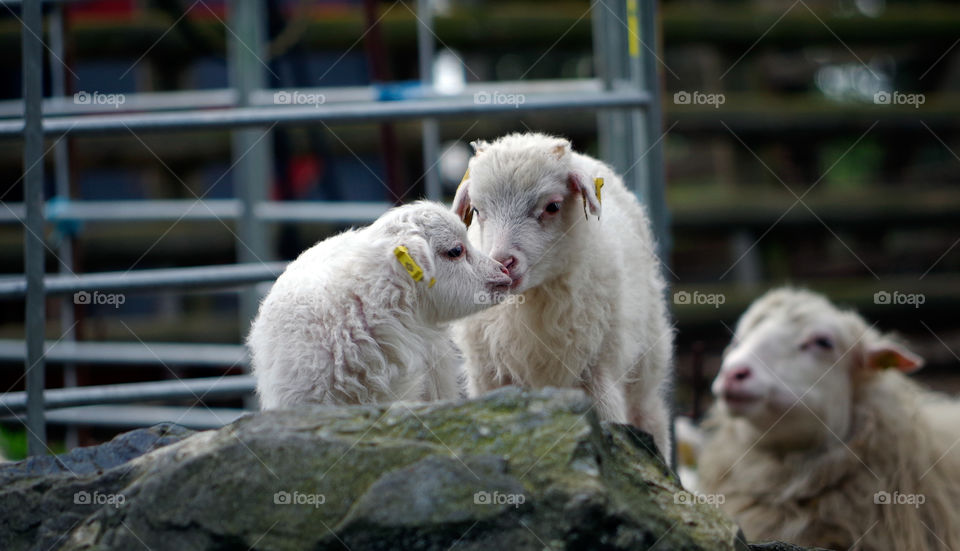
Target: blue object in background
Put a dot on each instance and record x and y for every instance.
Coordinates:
(105, 76)
(351, 179)
(216, 181)
(401, 90)
(207, 73)
(329, 69)
(98, 185)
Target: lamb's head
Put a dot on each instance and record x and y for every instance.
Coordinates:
(426, 248)
(524, 195)
(795, 363)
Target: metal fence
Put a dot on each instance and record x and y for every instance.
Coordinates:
(625, 95)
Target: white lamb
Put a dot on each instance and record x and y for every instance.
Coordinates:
(358, 318)
(589, 310)
(820, 439)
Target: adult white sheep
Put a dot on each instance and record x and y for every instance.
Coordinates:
(358, 318)
(820, 439)
(592, 314)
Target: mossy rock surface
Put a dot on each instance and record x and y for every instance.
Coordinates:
(510, 470)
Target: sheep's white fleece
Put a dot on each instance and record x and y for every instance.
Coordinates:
(345, 324)
(902, 438)
(599, 321)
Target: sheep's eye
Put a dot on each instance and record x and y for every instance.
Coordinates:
(824, 343)
(476, 212)
(553, 207)
(455, 252)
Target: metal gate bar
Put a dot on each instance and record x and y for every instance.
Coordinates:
(358, 112)
(191, 389)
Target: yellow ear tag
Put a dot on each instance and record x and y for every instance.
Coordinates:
(466, 176)
(409, 264)
(598, 183)
(432, 281)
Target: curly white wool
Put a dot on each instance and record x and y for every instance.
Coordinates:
(348, 323)
(592, 313)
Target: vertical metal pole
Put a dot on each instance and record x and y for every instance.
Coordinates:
(252, 172)
(431, 130)
(655, 176)
(601, 63)
(639, 140)
(251, 150)
(614, 127)
(61, 164)
(646, 127)
(33, 232)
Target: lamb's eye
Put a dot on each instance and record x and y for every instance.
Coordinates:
(455, 252)
(476, 212)
(821, 342)
(824, 343)
(553, 207)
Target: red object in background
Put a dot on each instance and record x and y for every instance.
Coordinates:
(305, 172)
(128, 9)
(101, 9)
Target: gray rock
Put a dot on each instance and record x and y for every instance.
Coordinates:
(778, 546)
(83, 461)
(510, 470)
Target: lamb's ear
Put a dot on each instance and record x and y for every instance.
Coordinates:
(560, 147)
(886, 354)
(589, 191)
(461, 201)
(413, 258)
(479, 146)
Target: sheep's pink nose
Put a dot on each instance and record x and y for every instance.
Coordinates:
(508, 262)
(504, 269)
(738, 375)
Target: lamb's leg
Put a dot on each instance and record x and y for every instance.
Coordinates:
(445, 381)
(607, 394)
(649, 412)
(646, 385)
(482, 380)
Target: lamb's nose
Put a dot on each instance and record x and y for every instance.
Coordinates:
(739, 374)
(508, 262)
(504, 269)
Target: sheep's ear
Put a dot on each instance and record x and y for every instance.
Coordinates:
(461, 201)
(479, 146)
(589, 192)
(560, 148)
(413, 258)
(886, 354)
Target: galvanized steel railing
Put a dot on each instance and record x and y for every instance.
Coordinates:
(626, 93)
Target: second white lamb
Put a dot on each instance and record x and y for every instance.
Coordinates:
(581, 255)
